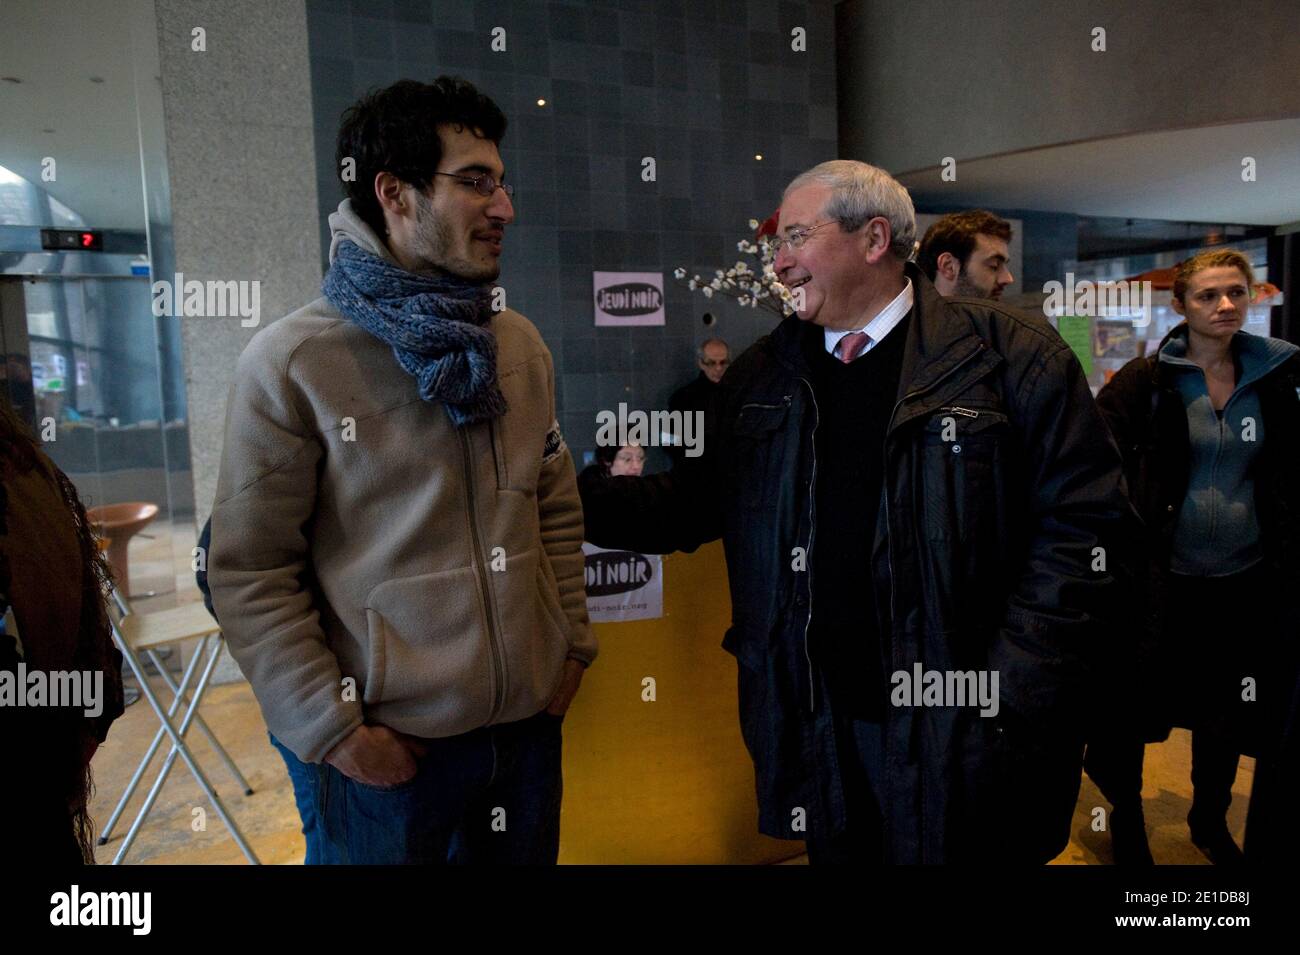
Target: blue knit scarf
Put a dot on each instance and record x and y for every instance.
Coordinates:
(436, 325)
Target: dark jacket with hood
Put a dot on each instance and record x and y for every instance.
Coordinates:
(985, 558)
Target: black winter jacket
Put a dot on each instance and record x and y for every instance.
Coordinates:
(986, 557)
(1145, 412)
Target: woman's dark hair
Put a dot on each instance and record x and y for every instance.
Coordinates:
(956, 233)
(605, 455)
(51, 742)
(395, 130)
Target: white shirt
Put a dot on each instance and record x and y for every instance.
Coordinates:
(878, 327)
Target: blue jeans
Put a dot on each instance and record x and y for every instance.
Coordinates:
(490, 796)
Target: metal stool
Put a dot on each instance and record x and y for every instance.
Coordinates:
(137, 633)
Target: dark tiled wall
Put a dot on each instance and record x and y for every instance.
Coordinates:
(701, 85)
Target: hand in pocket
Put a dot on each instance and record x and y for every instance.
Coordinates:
(377, 756)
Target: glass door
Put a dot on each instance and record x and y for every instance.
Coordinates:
(97, 371)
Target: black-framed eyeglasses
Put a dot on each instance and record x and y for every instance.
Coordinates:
(485, 185)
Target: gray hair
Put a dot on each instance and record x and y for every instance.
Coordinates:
(860, 192)
(699, 352)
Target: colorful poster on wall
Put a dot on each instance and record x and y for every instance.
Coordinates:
(628, 298)
(623, 585)
(1114, 340)
(1115, 343)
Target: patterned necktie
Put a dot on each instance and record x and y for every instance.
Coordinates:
(851, 345)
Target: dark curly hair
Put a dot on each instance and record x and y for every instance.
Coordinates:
(395, 130)
(955, 233)
(50, 745)
(605, 455)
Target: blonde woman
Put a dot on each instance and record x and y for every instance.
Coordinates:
(1209, 427)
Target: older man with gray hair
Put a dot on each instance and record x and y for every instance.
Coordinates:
(918, 501)
(700, 396)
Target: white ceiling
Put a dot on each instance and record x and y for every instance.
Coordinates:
(54, 47)
(1187, 174)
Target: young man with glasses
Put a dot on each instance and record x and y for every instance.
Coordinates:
(397, 537)
(906, 486)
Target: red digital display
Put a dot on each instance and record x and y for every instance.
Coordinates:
(67, 240)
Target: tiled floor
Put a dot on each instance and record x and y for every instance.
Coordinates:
(269, 819)
(175, 833)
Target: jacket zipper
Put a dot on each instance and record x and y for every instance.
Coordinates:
(889, 555)
(1214, 476)
(482, 579)
(1220, 418)
(889, 551)
(812, 532)
(785, 403)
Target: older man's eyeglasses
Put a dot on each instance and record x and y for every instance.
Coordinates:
(485, 185)
(797, 237)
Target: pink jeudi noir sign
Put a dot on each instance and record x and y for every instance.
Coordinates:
(628, 298)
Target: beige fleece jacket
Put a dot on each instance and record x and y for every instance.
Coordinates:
(372, 563)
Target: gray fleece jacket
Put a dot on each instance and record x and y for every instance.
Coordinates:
(373, 563)
(1218, 530)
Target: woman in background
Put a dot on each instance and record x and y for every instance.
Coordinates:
(1209, 427)
(615, 462)
(53, 583)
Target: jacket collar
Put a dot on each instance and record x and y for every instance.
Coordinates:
(786, 344)
(934, 344)
(346, 225)
(938, 341)
(1258, 356)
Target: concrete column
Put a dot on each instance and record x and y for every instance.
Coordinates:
(241, 170)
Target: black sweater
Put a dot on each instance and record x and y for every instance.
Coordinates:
(854, 403)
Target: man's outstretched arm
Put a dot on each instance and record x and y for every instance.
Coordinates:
(659, 513)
